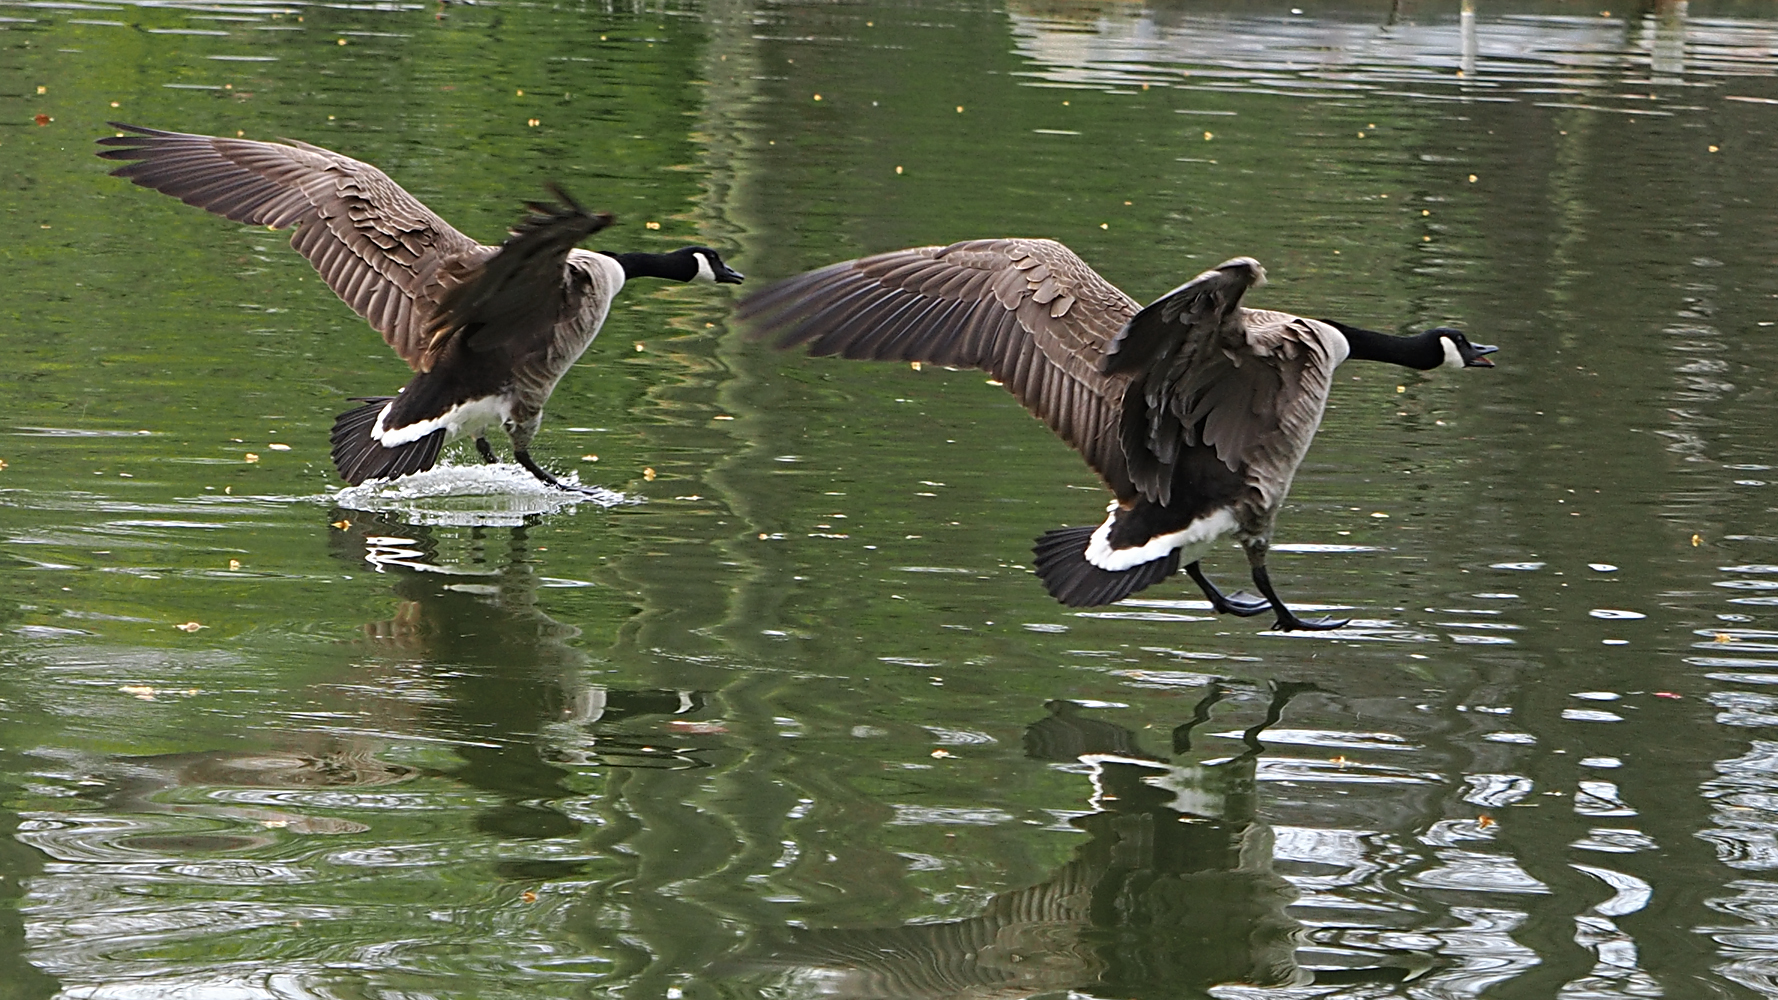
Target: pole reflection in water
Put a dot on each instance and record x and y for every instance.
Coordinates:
(1667, 49)
(1174, 892)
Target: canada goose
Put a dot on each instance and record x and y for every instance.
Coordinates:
(487, 330)
(1194, 410)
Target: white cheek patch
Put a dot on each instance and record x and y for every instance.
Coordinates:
(1453, 359)
(705, 271)
(464, 418)
(1196, 538)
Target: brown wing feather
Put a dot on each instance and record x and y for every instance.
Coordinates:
(1195, 378)
(520, 292)
(382, 251)
(1027, 311)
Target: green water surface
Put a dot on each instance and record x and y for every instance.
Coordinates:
(794, 719)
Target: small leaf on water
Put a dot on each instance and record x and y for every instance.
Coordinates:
(251, 457)
(648, 474)
(1668, 694)
(42, 119)
(190, 627)
(1697, 540)
(141, 691)
(342, 525)
(278, 447)
(234, 564)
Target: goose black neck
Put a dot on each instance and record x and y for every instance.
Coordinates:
(1422, 350)
(680, 265)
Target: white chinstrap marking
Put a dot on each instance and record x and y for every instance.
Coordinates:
(466, 417)
(1195, 538)
(706, 272)
(1339, 347)
(1453, 357)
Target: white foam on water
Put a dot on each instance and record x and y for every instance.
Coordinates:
(498, 495)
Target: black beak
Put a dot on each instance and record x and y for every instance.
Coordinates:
(1480, 360)
(726, 275)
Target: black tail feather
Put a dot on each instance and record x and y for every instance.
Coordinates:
(359, 457)
(1062, 566)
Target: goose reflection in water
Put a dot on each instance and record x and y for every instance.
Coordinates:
(1173, 893)
(517, 702)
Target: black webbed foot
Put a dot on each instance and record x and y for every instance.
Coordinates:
(1238, 604)
(1287, 620)
(524, 459)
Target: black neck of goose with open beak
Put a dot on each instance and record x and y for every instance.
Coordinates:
(684, 264)
(1438, 346)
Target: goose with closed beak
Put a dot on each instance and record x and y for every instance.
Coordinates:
(487, 330)
(1195, 410)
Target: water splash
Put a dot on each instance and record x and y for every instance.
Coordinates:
(474, 496)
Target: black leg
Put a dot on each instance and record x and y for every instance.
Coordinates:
(1232, 604)
(487, 451)
(1287, 620)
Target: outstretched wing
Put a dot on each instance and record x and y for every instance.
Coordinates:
(382, 251)
(519, 293)
(1207, 373)
(1027, 311)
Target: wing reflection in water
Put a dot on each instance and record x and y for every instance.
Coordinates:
(1173, 893)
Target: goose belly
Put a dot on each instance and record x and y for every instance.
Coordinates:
(1124, 542)
(467, 417)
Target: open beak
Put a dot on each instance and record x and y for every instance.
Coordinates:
(1480, 361)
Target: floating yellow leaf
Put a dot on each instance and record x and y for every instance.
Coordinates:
(234, 564)
(342, 525)
(589, 458)
(915, 365)
(278, 447)
(651, 225)
(251, 457)
(141, 691)
(941, 754)
(528, 896)
(648, 474)
(190, 627)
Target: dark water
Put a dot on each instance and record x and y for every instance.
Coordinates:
(795, 719)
